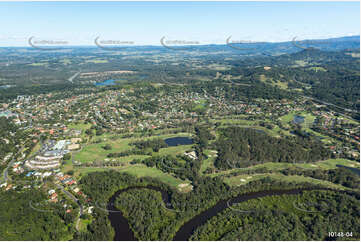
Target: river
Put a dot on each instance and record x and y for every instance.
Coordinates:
(120, 224)
(123, 231)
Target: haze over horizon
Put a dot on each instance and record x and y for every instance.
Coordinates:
(145, 23)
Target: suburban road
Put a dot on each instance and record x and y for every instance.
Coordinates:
(5, 176)
(73, 77)
(328, 104)
(331, 104)
(71, 196)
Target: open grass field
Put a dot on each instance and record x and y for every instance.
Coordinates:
(332, 163)
(212, 154)
(276, 83)
(309, 118)
(274, 166)
(96, 61)
(243, 123)
(138, 171)
(83, 224)
(308, 121)
(243, 179)
(92, 152)
(175, 150)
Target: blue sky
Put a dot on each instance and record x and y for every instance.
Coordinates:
(79, 23)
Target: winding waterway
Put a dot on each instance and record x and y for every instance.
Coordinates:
(120, 224)
(123, 231)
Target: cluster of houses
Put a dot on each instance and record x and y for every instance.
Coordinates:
(17, 168)
(51, 154)
(53, 197)
(50, 158)
(65, 179)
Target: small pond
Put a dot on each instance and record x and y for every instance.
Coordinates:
(298, 119)
(175, 141)
(105, 83)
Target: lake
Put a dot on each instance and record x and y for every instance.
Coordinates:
(175, 141)
(105, 83)
(298, 119)
(353, 169)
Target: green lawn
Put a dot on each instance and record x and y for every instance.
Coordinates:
(243, 179)
(174, 150)
(331, 163)
(274, 166)
(309, 118)
(209, 161)
(139, 171)
(92, 152)
(83, 224)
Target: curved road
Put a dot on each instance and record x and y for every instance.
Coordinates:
(72, 197)
(5, 176)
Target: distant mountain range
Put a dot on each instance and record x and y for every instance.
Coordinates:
(255, 48)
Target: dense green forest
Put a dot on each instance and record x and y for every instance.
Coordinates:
(6, 128)
(25, 216)
(308, 216)
(213, 98)
(242, 147)
(332, 76)
(153, 213)
(328, 74)
(147, 204)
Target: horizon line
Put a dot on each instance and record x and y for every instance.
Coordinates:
(173, 46)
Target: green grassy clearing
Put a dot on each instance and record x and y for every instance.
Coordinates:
(138, 171)
(174, 150)
(243, 179)
(274, 166)
(209, 162)
(96, 61)
(83, 224)
(93, 152)
(317, 68)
